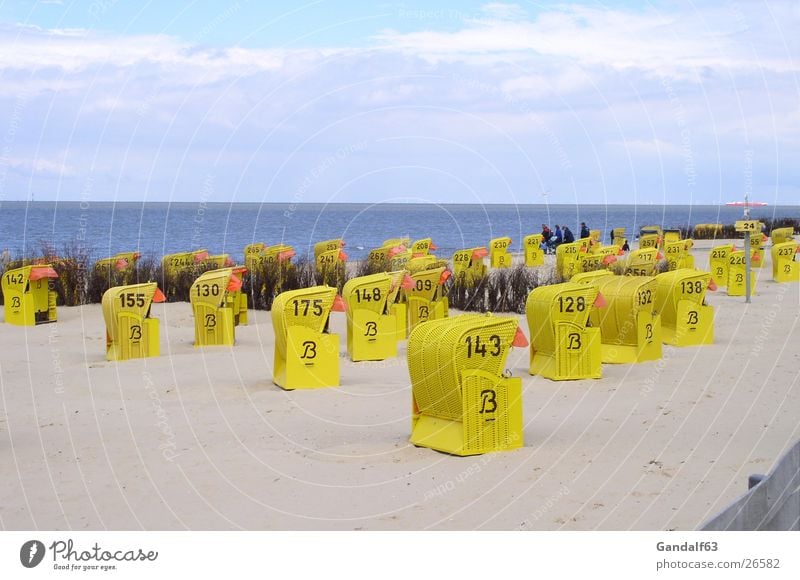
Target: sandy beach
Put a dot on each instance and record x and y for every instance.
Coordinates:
(202, 439)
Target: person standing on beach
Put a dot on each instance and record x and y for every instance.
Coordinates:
(585, 233)
(569, 237)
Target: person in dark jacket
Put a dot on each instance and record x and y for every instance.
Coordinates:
(584, 230)
(556, 239)
(569, 237)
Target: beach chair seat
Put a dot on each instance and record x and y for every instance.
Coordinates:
(618, 237)
(588, 262)
(124, 261)
(649, 241)
(423, 247)
(678, 254)
(174, 264)
(650, 230)
(379, 259)
(670, 236)
(180, 264)
(252, 252)
(253, 249)
(28, 296)
(327, 246)
(758, 242)
(462, 402)
(268, 266)
(216, 300)
(680, 301)
(499, 256)
(400, 260)
(568, 257)
(393, 242)
(330, 263)
(468, 266)
(601, 257)
(258, 256)
(425, 299)
(718, 260)
(305, 356)
(562, 345)
(785, 267)
(371, 328)
(781, 235)
(219, 261)
(330, 259)
(630, 328)
(271, 256)
(642, 262)
(737, 268)
(594, 240)
(534, 254)
(130, 331)
(117, 270)
(424, 262)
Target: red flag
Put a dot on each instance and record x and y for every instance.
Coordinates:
(39, 272)
(286, 255)
(480, 253)
(235, 283)
(520, 340)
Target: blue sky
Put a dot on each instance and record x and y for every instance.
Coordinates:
(475, 102)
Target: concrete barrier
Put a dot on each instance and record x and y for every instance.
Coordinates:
(772, 503)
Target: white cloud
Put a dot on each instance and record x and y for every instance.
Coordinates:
(73, 51)
(47, 167)
(654, 147)
(503, 11)
(560, 82)
(678, 44)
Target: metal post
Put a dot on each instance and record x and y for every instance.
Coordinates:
(747, 267)
(746, 253)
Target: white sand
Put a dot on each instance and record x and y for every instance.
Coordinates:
(202, 439)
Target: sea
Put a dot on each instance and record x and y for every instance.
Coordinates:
(103, 229)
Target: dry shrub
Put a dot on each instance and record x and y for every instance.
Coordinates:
(502, 290)
(145, 269)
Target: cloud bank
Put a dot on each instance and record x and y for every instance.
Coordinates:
(681, 104)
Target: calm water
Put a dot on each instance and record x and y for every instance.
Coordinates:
(105, 228)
